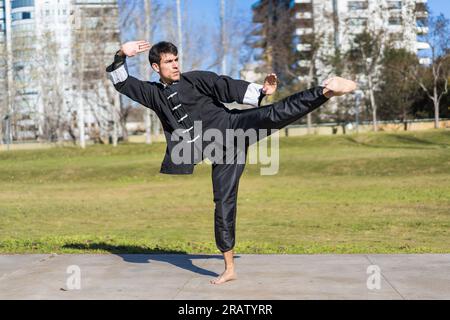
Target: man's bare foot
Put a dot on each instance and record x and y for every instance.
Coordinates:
(228, 275)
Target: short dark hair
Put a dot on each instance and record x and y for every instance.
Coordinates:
(154, 55)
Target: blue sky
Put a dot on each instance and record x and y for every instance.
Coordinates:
(209, 9)
(205, 13)
(440, 6)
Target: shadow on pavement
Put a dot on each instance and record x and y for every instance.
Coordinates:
(136, 254)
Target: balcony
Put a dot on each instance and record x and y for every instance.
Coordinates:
(395, 5)
(302, 24)
(304, 47)
(422, 30)
(425, 61)
(303, 78)
(303, 31)
(305, 6)
(304, 63)
(422, 46)
(303, 15)
(421, 14)
(357, 5)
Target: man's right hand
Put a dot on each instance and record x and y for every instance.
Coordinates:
(132, 48)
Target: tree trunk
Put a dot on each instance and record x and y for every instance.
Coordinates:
(405, 123)
(308, 116)
(147, 36)
(436, 108)
(374, 106)
(180, 35)
(148, 126)
(309, 123)
(80, 114)
(123, 125)
(223, 38)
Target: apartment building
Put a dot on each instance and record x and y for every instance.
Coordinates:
(3, 69)
(46, 63)
(336, 22)
(330, 24)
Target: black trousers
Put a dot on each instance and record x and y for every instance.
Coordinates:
(226, 176)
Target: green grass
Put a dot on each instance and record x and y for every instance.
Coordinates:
(368, 193)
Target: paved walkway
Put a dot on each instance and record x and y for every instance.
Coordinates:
(260, 277)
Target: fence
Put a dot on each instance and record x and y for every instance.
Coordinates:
(291, 131)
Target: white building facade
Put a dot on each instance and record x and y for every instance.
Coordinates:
(46, 88)
(337, 21)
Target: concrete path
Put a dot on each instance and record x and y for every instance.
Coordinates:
(260, 277)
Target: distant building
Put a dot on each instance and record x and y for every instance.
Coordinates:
(3, 66)
(45, 45)
(337, 21)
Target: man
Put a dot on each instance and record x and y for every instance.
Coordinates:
(180, 99)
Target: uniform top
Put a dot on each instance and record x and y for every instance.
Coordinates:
(197, 96)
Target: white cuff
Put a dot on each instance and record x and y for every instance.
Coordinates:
(252, 94)
(118, 75)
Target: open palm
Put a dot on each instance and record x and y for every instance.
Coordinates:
(132, 48)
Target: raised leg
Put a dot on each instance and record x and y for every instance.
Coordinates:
(280, 114)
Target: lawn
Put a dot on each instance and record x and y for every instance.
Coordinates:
(367, 193)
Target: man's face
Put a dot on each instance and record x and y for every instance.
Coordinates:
(168, 68)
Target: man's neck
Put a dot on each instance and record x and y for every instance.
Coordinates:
(166, 82)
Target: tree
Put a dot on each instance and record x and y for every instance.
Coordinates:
(52, 115)
(396, 93)
(365, 55)
(273, 36)
(94, 43)
(3, 90)
(434, 80)
(310, 47)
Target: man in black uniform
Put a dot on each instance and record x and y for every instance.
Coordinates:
(181, 101)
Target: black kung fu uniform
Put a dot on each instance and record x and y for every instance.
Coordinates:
(198, 96)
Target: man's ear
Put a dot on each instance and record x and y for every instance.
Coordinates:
(155, 67)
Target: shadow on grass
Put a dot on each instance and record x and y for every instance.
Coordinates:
(137, 254)
(406, 142)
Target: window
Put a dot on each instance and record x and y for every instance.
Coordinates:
(397, 36)
(21, 16)
(18, 68)
(395, 21)
(394, 4)
(357, 22)
(22, 3)
(357, 5)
